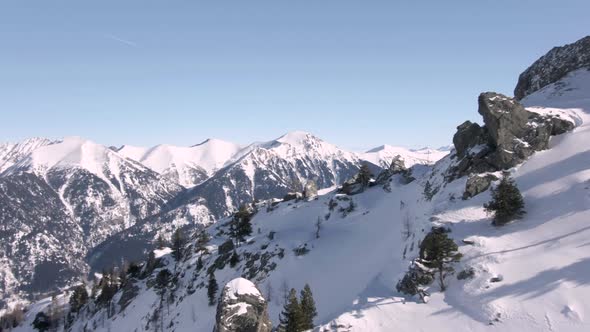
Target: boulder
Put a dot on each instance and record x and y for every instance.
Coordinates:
(509, 136)
(477, 184)
(242, 308)
(468, 135)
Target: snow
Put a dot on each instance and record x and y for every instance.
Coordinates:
(208, 156)
(383, 155)
(162, 252)
(354, 265)
(241, 286)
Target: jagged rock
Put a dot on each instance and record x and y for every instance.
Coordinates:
(510, 135)
(477, 184)
(242, 308)
(468, 135)
(553, 66)
(397, 166)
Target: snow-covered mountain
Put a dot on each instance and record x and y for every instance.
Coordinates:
(273, 169)
(530, 275)
(59, 199)
(383, 155)
(188, 166)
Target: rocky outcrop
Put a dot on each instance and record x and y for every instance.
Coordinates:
(242, 308)
(397, 166)
(510, 135)
(476, 184)
(553, 66)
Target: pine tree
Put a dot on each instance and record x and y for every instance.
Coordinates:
(291, 319)
(234, 259)
(160, 242)
(364, 176)
(163, 280)
(177, 244)
(438, 252)
(241, 226)
(212, 289)
(507, 203)
(308, 308)
(199, 263)
(78, 298)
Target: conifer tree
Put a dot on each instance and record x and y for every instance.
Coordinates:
(291, 319)
(212, 289)
(507, 203)
(364, 176)
(438, 252)
(78, 298)
(308, 309)
(234, 259)
(199, 263)
(178, 244)
(241, 224)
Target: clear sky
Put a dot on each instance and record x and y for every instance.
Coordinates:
(356, 73)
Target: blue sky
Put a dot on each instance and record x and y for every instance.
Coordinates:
(356, 73)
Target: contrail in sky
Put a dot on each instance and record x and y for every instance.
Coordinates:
(121, 40)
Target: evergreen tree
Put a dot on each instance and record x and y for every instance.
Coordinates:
(234, 259)
(507, 203)
(241, 226)
(308, 309)
(42, 322)
(178, 244)
(160, 242)
(364, 176)
(199, 263)
(212, 289)
(438, 252)
(78, 298)
(163, 280)
(202, 241)
(292, 319)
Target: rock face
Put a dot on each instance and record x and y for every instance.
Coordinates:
(476, 184)
(397, 166)
(242, 308)
(553, 66)
(510, 135)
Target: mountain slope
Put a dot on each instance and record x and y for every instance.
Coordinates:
(383, 155)
(188, 166)
(59, 199)
(273, 169)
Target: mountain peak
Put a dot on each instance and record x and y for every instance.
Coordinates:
(296, 137)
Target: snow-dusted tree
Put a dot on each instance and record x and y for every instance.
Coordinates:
(308, 308)
(507, 203)
(318, 228)
(439, 252)
(199, 263)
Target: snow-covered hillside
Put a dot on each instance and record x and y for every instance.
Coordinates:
(383, 155)
(188, 166)
(530, 275)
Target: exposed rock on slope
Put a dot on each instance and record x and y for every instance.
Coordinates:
(242, 308)
(510, 135)
(553, 66)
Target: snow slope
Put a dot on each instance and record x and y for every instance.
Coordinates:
(187, 165)
(354, 265)
(542, 258)
(383, 155)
